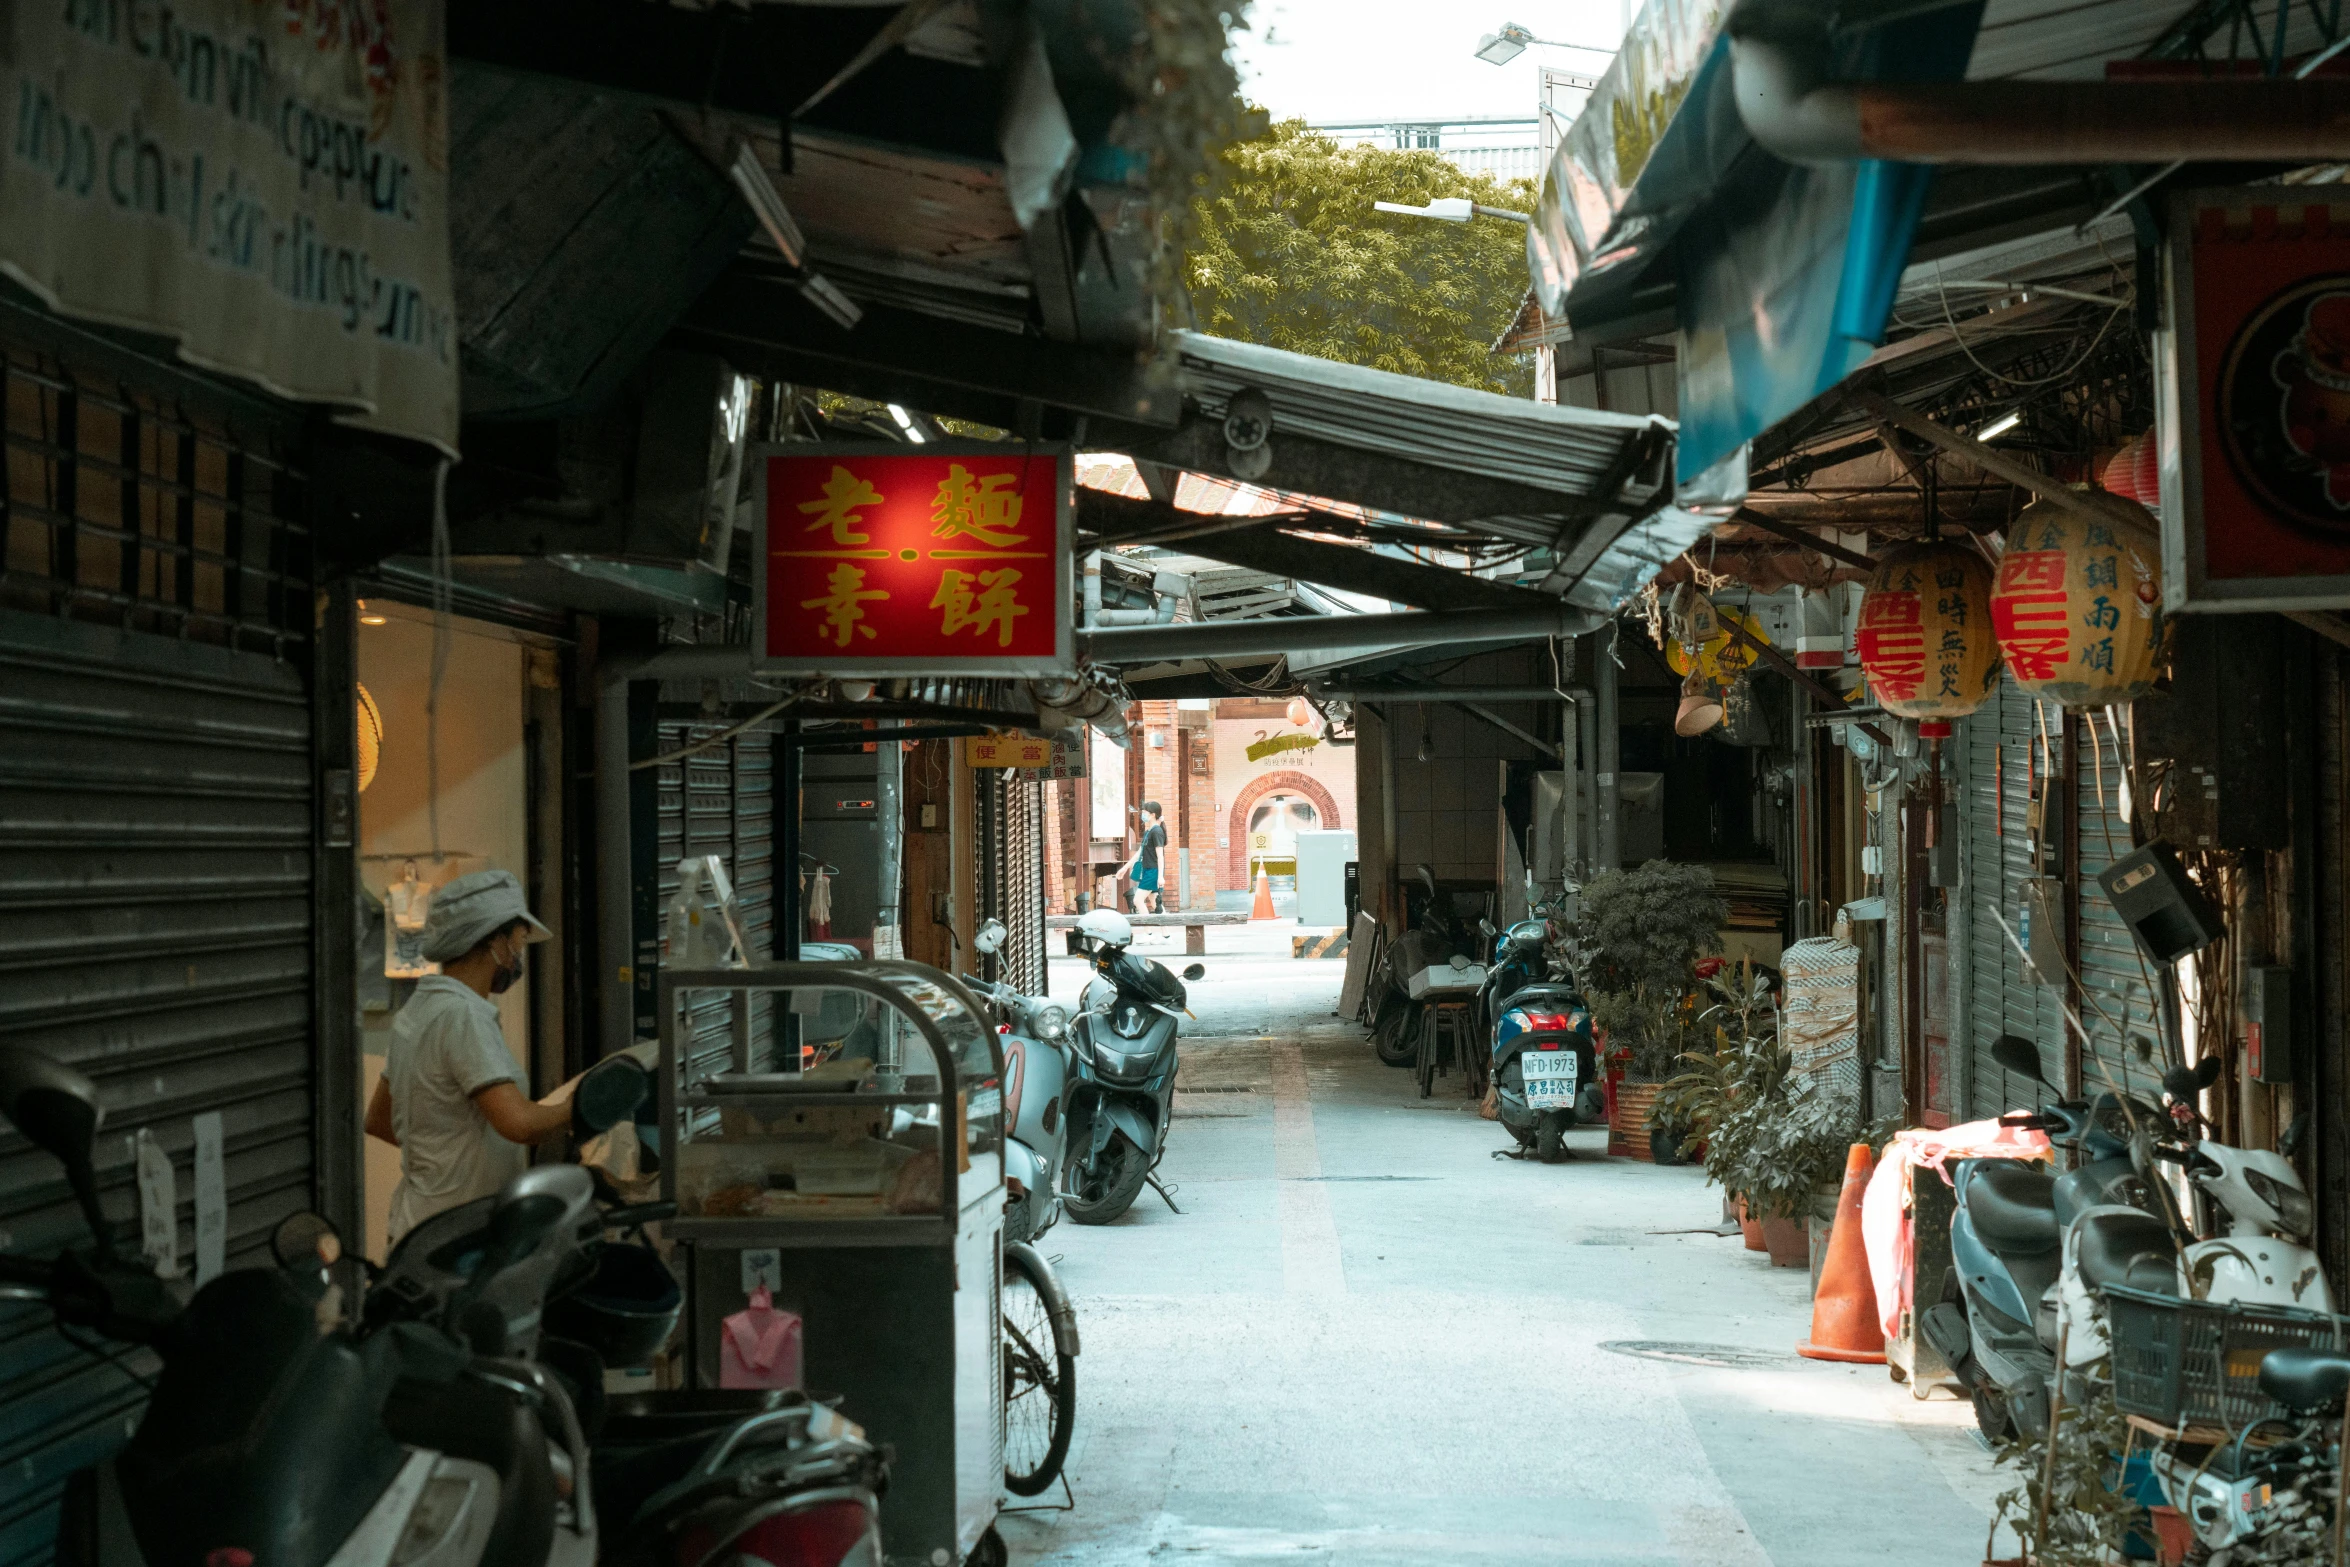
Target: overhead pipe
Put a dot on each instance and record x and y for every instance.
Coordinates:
(1315, 633)
(1795, 113)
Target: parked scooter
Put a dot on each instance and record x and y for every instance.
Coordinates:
(1035, 1038)
(2018, 1228)
(1544, 1063)
(1123, 1053)
(426, 1433)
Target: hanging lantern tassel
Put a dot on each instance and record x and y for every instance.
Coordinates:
(2078, 605)
(1925, 639)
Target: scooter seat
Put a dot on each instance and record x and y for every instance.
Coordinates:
(2012, 1205)
(2305, 1378)
(2133, 1249)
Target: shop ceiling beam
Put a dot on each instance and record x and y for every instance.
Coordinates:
(1998, 464)
(1795, 112)
(1259, 544)
(1797, 536)
(1445, 694)
(757, 320)
(1335, 633)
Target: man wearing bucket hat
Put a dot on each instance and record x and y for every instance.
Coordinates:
(449, 1098)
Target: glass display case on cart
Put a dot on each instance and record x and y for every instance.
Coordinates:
(835, 1132)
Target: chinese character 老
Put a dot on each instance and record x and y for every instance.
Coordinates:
(843, 494)
(843, 603)
(987, 509)
(993, 604)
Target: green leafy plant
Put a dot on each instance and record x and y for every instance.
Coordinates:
(2086, 1515)
(1287, 251)
(1651, 1030)
(1648, 926)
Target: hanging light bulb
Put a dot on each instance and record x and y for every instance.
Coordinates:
(1701, 705)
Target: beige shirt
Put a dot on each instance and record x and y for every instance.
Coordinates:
(446, 1047)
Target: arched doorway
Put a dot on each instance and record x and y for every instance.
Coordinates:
(1292, 798)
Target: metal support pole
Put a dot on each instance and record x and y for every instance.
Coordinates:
(615, 862)
(889, 772)
(789, 930)
(1609, 756)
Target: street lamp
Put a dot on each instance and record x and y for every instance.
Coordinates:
(1503, 47)
(1453, 209)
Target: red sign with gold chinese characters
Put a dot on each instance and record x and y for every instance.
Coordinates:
(914, 560)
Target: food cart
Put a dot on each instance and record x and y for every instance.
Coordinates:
(835, 1131)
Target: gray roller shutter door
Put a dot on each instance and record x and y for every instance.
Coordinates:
(1996, 993)
(2119, 1001)
(722, 801)
(156, 926)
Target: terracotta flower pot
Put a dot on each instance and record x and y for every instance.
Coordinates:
(1750, 1227)
(1628, 1127)
(1785, 1240)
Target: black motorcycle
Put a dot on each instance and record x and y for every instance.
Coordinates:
(1432, 966)
(1121, 1083)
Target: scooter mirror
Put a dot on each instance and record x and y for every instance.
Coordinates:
(1487, 927)
(57, 1109)
(2018, 1055)
(990, 937)
(305, 1240)
(2207, 1071)
(2180, 1083)
(2296, 1133)
(1428, 880)
(1195, 971)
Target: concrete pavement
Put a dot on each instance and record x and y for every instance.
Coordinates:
(1367, 1341)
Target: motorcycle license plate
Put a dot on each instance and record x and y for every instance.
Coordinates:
(1550, 1079)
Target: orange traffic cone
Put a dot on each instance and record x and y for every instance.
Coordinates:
(1264, 904)
(1844, 1323)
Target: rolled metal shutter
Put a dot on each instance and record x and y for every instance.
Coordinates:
(1996, 993)
(2119, 999)
(721, 801)
(156, 927)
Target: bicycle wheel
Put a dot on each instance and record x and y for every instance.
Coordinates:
(1040, 1379)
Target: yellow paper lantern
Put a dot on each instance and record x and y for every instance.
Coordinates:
(1925, 638)
(2078, 604)
(371, 738)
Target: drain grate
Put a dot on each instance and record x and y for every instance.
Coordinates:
(1730, 1357)
(1217, 1088)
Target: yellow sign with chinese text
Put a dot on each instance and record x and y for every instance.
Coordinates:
(1011, 751)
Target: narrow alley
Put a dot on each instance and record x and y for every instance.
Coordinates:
(1366, 1340)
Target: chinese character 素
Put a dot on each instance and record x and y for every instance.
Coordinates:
(843, 603)
(993, 604)
(843, 494)
(985, 508)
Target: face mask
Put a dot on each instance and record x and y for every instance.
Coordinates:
(507, 976)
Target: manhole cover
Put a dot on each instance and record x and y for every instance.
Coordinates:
(1733, 1357)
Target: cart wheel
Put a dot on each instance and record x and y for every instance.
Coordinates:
(1040, 1379)
(989, 1552)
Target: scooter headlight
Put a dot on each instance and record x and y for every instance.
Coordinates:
(1052, 1021)
(2292, 1204)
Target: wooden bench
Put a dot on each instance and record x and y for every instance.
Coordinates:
(1195, 925)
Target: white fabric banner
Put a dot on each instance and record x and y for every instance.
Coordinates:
(264, 181)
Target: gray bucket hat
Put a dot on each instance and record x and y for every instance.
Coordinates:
(473, 907)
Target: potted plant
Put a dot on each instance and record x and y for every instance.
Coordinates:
(1637, 940)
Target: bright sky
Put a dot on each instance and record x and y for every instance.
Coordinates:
(1323, 60)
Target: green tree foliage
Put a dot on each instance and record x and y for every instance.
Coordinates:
(1648, 926)
(1288, 252)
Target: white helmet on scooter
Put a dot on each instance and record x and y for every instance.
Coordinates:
(1107, 926)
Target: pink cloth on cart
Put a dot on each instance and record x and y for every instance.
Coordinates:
(760, 1346)
(1884, 1216)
